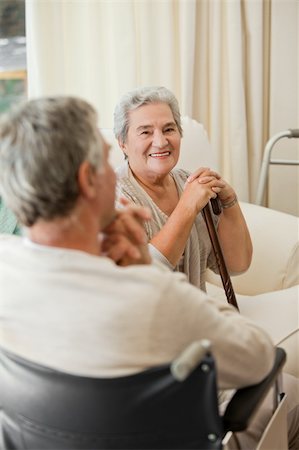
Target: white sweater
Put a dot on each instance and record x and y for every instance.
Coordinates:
(85, 315)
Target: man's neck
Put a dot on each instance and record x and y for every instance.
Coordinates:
(71, 232)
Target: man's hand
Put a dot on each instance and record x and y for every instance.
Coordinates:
(125, 240)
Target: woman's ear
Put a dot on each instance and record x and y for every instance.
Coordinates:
(87, 179)
(121, 144)
(123, 147)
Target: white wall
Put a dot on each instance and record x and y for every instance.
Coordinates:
(284, 104)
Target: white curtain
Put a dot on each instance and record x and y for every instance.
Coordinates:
(213, 54)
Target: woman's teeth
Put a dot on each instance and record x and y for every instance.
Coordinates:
(159, 155)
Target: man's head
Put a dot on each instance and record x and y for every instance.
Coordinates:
(139, 97)
(43, 143)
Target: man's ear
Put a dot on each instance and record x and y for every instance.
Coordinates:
(87, 179)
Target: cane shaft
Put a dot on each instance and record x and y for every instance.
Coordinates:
(226, 281)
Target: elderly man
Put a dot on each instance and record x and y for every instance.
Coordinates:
(78, 291)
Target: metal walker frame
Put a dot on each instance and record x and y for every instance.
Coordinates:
(291, 133)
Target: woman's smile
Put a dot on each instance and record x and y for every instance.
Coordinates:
(160, 155)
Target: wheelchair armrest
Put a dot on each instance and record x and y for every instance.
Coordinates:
(245, 401)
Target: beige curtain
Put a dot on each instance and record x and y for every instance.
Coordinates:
(214, 54)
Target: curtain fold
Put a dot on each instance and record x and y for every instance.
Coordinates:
(214, 55)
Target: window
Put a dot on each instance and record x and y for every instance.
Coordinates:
(12, 53)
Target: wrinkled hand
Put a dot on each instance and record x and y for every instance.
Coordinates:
(214, 182)
(124, 240)
(201, 186)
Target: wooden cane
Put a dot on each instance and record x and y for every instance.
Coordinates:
(225, 278)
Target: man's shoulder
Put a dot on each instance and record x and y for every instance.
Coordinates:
(159, 277)
(10, 239)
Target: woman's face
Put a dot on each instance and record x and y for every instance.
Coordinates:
(153, 141)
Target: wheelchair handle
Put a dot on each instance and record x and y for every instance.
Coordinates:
(188, 360)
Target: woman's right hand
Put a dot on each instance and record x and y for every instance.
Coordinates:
(200, 187)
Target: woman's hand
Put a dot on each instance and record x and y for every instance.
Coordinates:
(205, 175)
(200, 187)
(232, 228)
(125, 240)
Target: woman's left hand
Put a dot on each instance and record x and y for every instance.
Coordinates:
(203, 175)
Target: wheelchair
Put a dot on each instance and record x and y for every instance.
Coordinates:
(172, 406)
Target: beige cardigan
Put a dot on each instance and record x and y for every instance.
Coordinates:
(198, 254)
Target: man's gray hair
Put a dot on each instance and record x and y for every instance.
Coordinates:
(42, 145)
(139, 97)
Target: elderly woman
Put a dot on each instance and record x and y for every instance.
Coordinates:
(147, 125)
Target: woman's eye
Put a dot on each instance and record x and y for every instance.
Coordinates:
(169, 130)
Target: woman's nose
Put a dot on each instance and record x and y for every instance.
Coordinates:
(159, 140)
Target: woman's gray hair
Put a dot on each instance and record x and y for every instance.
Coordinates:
(42, 145)
(139, 97)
